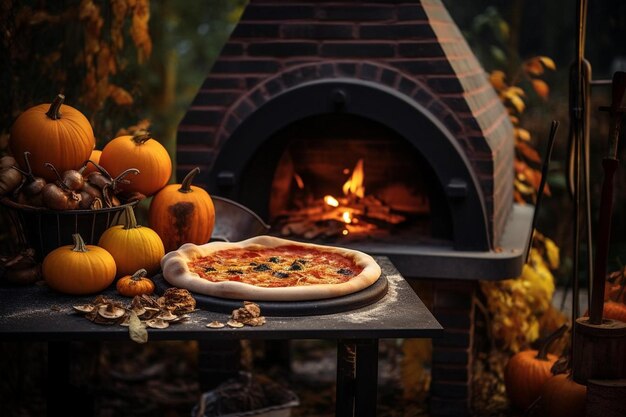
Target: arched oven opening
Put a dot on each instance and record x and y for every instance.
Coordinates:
(286, 160)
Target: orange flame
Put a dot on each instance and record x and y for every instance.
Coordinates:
(331, 201)
(354, 185)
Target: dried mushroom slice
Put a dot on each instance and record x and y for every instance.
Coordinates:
(167, 315)
(84, 308)
(157, 323)
(137, 306)
(149, 313)
(180, 319)
(215, 324)
(234, 323)
(111, 311)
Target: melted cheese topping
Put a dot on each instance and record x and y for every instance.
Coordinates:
(282, 266)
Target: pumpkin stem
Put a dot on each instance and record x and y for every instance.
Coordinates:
(79, 243)
(543, 349)
(185, 186)
(130, 221)
(54, 112)
(141, 136)
(137, 276)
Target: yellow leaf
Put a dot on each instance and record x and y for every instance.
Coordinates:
(517, 102)
(541, 88)
(553, 253)
(514, 91)
(497, 80)
(522, 134)
(547, 62)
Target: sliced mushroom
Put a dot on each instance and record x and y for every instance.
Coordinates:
(157, 323)
(234, 323)
(111, 311)
(180, 319)
(137, 306)
(215, 324)
(149, 312)
(167, 315)
(84, 308)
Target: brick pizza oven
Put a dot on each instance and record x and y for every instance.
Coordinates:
(303, 91)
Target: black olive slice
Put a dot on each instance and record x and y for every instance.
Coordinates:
(279, 274)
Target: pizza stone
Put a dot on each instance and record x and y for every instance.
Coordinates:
(176, 272)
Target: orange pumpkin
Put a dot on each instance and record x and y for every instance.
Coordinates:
(142, 152)
(527, 371)
(135, 284)
(78, 268)
(54, 133)
(562, 397)
(614, 310)
(182, 213)
(133, 246)
(89, 168)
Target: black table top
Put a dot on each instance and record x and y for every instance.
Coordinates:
(37, 313)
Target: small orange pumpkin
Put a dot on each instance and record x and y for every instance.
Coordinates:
(133, 246)
(182, 213)
(135, 284)
(527, 371)
(54, 133)
(562, 397)
(78, 268)
(142, 152)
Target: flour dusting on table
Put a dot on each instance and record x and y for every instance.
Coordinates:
(381, 307)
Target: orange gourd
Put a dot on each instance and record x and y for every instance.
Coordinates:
(527, 371)
(142, 152)
(135, 284)
(133, 246)
(562, 397)
(89, 168)
(78, 268)
(182, 213)
(54, 133)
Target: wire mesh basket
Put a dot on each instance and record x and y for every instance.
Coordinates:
(45, 230)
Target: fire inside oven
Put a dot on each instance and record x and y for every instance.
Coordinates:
(345, 178)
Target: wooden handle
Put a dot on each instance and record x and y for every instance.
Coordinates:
(618, 90)
(602, 247)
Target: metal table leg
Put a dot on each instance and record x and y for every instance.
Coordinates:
(357, 378)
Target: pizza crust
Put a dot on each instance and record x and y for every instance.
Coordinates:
(177, 273)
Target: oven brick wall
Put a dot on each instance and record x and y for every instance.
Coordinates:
(414, 47)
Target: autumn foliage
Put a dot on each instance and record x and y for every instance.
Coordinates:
(81, 48)
(521, 308)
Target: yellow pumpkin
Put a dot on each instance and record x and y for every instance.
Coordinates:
(54, 133)
(182, 213)
(142, 152)
(135, 284)
(79, 268)
(133, 246)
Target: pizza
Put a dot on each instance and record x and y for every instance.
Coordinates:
(267, 268)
